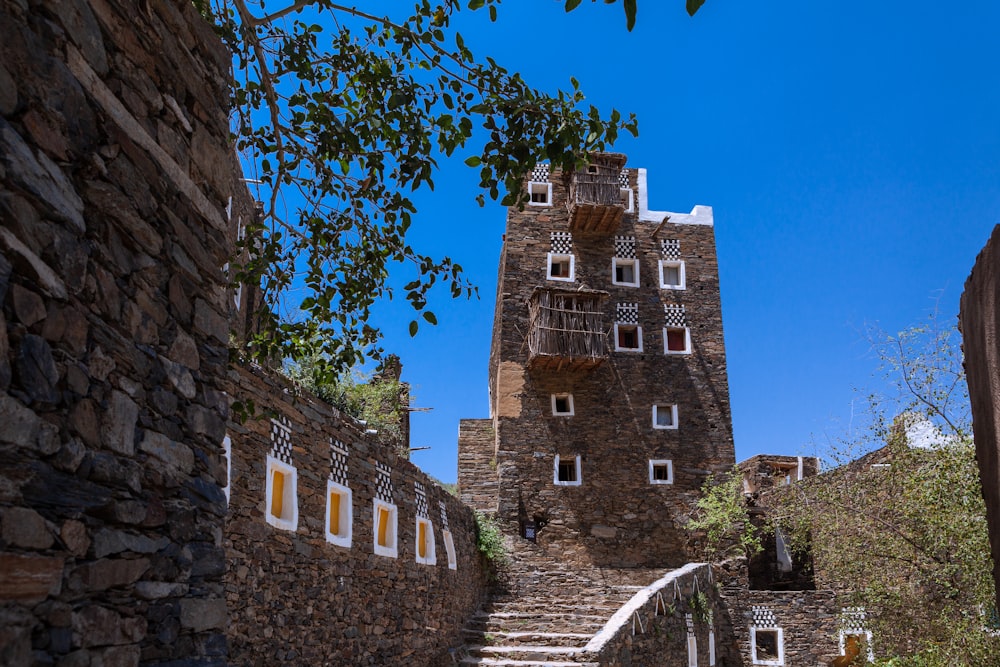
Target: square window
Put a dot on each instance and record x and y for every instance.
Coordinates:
(282, 509)
(339, 514)
(628, 338)
(661, 471)
(665, 416)
(561, 267)
(562, 405)
(385, 529)
(449, 547)
(767, 646)
(567, 471)
(676, 340)
(539, 194)
(625, 272)
(426, 553)
(854, 643)
(672, 274)
(591, 168)
(627, 201)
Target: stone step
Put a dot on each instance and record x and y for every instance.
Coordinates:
(537, 653)
(578, 639)
(500, 662)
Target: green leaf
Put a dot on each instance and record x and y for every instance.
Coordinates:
(473, 161)
(477, 4)
(572, 4)
(630, 13)
(413, 328)
(693, 6)
(429, 316)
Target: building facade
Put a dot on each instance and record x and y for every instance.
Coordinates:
(608, 393)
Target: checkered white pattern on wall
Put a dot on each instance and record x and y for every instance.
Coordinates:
(444, 515)
(625, 247)
(627, 313)
(421, 492)
(281, 439)
(763, 617)
(562, 243)
(670, 248)
(674, 315)
(540, 174)
(623, 178)
(338, 462)
(383, 482)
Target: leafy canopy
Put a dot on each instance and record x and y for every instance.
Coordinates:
(341, 113)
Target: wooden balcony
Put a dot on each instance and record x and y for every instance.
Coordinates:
(566, 330)
(596, 204)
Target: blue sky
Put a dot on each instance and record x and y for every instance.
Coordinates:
(851, 153)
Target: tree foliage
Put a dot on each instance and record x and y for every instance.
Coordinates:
(341, 113)
(722, 515)
(906, 538)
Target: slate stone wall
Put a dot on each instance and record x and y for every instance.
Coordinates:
(979, 320)
(297, 598)
(115, 177)
(477, 459)
(615, 517)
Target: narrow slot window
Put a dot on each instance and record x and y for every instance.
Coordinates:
(339, 514)
(281, 500)
(676, 340)
(425, 547)
(567, 471)
(561, 267)
(627, 201)
(562, 405)
(661, 471)
(665, 416)
(628, 338)
(625, 272)
(449, 547)
(385, 529)
(672, 274)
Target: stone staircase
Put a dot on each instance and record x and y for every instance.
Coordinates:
(548, 615)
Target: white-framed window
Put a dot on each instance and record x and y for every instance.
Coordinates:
(562, 405)
(665, 416)
(539, 194)
(385, 524)
(672, 275)
(628, 201)
(282, 509)
(711, 647)
(561, 267)
(449, 548)
(676, 340)
(566, 471)
(339, 514)
(628, 337)
(855, 641)
(425, 547)
(227, 451)
(767, 646)
(625, 272)
(661, 471)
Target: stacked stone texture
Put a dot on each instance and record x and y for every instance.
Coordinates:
(615, 517)
(477, 460)
(115, 176)
(298, 599)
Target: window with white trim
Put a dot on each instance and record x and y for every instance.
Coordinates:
(282, 502)
(425, 547)
(767, 646)
(339, 514)
(539, 194)
(676, 340)
(562, 405)
(449, 547)
(625, 272)
(628, 202)
(628, 337)
(692, 641)
(661, 471)
(567, 471)
(561, 267)
(227, 451)
(665, 416)
(385, 523)
(672, 274)
(711, 647)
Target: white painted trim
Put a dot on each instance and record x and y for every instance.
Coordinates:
(699, 215)
(344, 537)
(569, 398)
(692, 647)
(638, 331)
(548, 194)
(681, 274)
(753, 646)
(431, 553)
(289, 519)
(673, 417)
(572, 267)
(555, 473)
(670, 471)
(227, 451)
(856, 631)
(615, 261)
(390, 550)
(687, 341)
(711, 647)
(630, 197)
(800, 469)
(449, 547)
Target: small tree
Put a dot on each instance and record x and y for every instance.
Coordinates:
(724, 518)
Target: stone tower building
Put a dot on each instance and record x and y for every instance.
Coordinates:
(607, 376)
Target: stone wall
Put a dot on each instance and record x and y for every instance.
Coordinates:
(115, 176)
(615, 516)
(477, 458)
(979, 320)
(299, 598)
